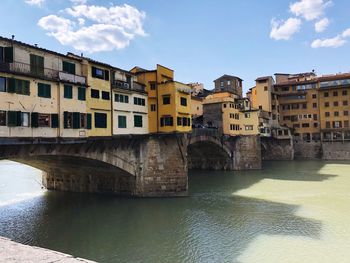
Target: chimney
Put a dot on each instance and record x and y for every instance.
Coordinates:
(82, 54)
(13, 37)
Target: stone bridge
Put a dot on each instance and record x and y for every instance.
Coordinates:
(142, 166)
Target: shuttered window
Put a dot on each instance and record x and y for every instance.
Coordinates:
(68, 92)
(44, 90)
(99, 73)
(166, 121)
(2, 118)
(36, 65)
(13, 118)
(138, 121)
(81, 93)
(68, 67)
(18, 86)
(34, 120)
(121, 121)
(54, 121)
(76, 120)
(100, 120)
(2, 84)
(67, 120)
(8, 54)
(88, 121)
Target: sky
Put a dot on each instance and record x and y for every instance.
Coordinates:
(200, 39)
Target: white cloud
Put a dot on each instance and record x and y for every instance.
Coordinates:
(309, 9)
(109, 28)
(321, 25)
(35, 2)
(334, 42)
(328, 42)
(283, 30)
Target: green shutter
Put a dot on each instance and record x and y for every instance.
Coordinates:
(35, 119)
(88, 121)
(12, 118)
(68, 92)
(81, 93)
(26, 88)
(69, 67)
(54, 121)
(106, 74)
(11, 88)
(76, 120)
(18, 118)
(48, 91)
(8, 56)
(137, 121)
(93, 72)
(121, 121)
(65, 119)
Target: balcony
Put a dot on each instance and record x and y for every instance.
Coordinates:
(27, 69)
(119, 84)
(63, 76)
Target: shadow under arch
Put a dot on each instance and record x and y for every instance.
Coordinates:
(208, 153)
(80, 174)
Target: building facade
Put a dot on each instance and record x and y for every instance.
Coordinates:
(228, 83)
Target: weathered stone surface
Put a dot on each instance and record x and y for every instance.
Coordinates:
(247, 152)
(336, 150)
(277, 149)
(308, 150)
(11, 251)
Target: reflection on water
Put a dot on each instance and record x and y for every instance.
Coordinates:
(288, 212)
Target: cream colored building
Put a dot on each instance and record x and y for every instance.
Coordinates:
(130, 104)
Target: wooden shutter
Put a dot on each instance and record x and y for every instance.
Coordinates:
(93, 72)
(26, 87)
(8, 56)
(12, 118)
(34, 119)
(54, 121)
(81, 93)
(76, 120)
(65, 119)
(106, 74)
(88, 121)
(11, 88)
(18, 118)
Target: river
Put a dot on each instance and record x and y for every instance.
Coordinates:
(295, 211)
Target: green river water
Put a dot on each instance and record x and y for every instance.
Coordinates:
(295, 211)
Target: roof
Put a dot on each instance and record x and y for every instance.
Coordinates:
(334, 77)
(295, 82)
(91, 60)
(228, 76)
(263, 78)
(37, 48)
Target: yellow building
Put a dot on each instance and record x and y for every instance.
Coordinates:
(169, 101)
(230, 114)
(196, 106)
(98, 97)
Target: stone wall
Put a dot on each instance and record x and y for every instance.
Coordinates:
(276, 149)
(308, 150)
(247, 152)
(336, 150)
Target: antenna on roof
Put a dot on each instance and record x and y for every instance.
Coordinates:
(36, 45)
(13, 37)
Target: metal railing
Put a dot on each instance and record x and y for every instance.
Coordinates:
(125, 85)
(71, 78)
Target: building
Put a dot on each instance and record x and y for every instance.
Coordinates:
(229, 83)
(333, 100)
(196, 107)
(130, 104)
(37, 87)
(196, 88)
(169, 101)
(230, 114)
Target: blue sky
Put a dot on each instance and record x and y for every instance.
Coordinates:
(200, 39)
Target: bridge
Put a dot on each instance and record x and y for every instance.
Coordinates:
(151, 165)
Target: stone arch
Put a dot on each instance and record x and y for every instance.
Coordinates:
(205, 152)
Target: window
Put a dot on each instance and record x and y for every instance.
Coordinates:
(153, 85)
(166, 121)
(25, 119)
(326, 114)
(153, 107)
(326, 104)
(315, 117)
(221, 83)
(314, 105)
(139, 101)
(18, 86)
(44, 120)
(95, 93)
(166, 100)
(2, 118)
(2, 84)
(229, 82)
(247, 115)
(44, 90)
(336, 113)
(68, 67)
(183, 101)
(344, 92)
(305, 125)
(121, 98)
(138, 121)
(337, 124)
(325, 94)
(248, 127)
(314, 96)
(100, 120)
(121, 121)
(345, 103)
(346, 113)
(335, 103)
(105, 95)
(335, 93)
(68, 120)
(68, 92)
(83, 122)
(99, 73)
(304, 106)
(328, 124)
(265, 88)
(81, 93)
(225, 105)
(36, 65)
(6, 54)
(346, 124)
(315, 124)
